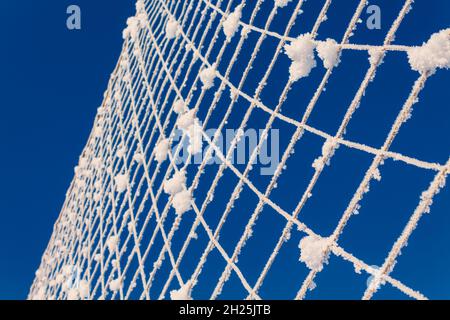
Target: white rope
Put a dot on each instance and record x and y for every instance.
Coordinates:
(153, 71)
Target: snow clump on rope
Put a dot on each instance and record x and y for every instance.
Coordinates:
(282, 3)
(162, 150)
(301, 52)
(433, 54)
(184, 293)
(313, 252)
(207, 77)
(329, 52)
(121, 181)
(172, 28)
(176, 183)
(231, 24)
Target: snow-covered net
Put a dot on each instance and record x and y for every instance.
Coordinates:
(138, 223)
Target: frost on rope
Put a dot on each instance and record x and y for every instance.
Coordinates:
(301, 52)
(72, 294)
(112, 242)
(433, 54)
(172, 28)
(115, 284)
(138, 157)
(313, 252)
(194, 133)
(181, 202)
(186, 120)
(98, 257)
(67, 270)
(176, 184)
(282, 3)
(330, 53)
(140, 6)
(375, 55)
(132, 28)
(184, 293)
(39, 295)
(191, 126)
(134, 23)
(328, 149)
(426, 198)
(179, 106)
(231, 24)
(207, 77)
(375, 280)
(162, 150)
(72, 239)
(121, 181)
(120, 153)
(98, 131)
(97, 163)
(59, 279)
(131, 226)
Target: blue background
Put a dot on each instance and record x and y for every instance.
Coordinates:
(52, 81)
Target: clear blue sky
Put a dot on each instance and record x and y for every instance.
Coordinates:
(52, 81)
